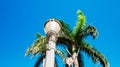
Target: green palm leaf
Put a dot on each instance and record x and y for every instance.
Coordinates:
(94, 54)
(80, 22)
(61, 54)
(80, 60)
(39, 60)
(65, 35)
(38, 46)
(89, 30)
(66, 30)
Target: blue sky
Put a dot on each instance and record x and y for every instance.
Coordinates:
(20, 20)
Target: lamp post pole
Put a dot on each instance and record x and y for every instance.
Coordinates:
(50, 52)
(52, 29)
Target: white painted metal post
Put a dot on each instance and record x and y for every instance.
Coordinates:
(50, 52)
(52, 29)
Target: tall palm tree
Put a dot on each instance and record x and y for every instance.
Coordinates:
(76, 43)
(74, 40)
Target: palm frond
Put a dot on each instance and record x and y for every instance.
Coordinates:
(29, 50)
(94, 54)
(38, 35)
(80, 60)
(66, 30)
(65, 35)
(80, 22)
(62, 40)
(39, 60)
(89, 30)
(38, 46)
(60, 53)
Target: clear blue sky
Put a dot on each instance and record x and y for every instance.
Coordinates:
(20, 20)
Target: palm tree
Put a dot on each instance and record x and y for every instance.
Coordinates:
(76, 43)
(74, 40)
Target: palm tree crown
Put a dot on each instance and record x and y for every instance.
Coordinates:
(74, 40)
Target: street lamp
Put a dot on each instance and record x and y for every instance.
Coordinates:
(52, 25)
(52, 28)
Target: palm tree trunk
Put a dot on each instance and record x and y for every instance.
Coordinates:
(50, 52)
(76, 64)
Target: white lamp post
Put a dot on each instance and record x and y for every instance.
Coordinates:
(52, 29)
